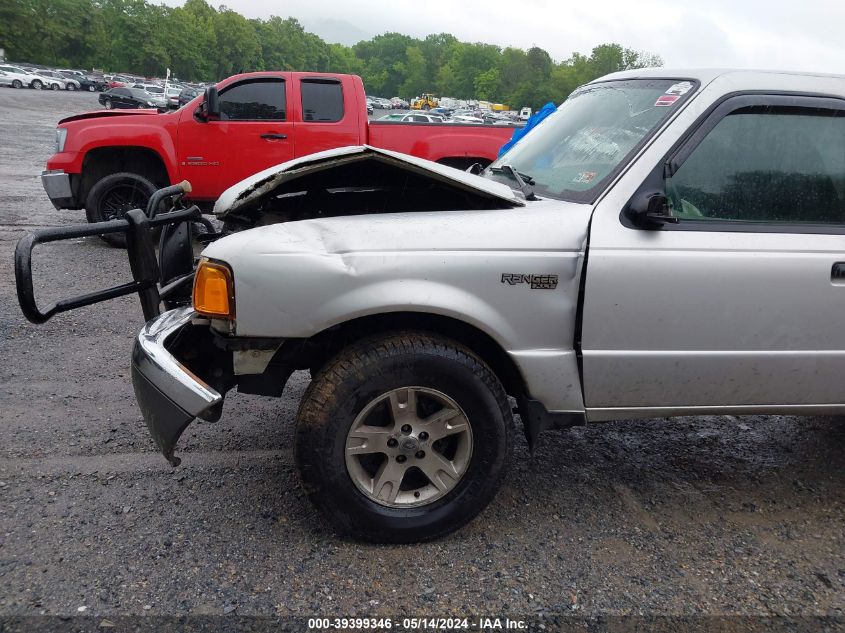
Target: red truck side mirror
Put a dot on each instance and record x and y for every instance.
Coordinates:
(209, 110)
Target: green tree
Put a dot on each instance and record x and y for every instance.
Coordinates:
(465, 63)
(611, 58)
(435, 48)
(416, 74)
(342, 59)
(286, 45)
(238, 49)
(487, 84)
(199, 42)
(192, 41)
(513, 70)
(384, 59)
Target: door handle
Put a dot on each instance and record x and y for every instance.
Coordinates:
(837, 273)
(274, 135)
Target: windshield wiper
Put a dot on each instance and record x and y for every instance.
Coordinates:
(524, 181)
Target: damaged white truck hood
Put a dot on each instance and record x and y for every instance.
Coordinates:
(498, 264)
(268, 182)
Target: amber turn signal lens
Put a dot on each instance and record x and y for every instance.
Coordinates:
(214, 291)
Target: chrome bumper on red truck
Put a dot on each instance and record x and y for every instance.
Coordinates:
(57, 185)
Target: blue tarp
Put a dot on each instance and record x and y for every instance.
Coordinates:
(535, 119)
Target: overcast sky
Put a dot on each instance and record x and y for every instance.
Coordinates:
(781, 34)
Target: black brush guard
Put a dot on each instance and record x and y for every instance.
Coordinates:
(174, 266)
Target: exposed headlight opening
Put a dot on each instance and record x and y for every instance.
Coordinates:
(61, 137)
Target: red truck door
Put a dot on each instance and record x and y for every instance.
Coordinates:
(330, 115)
(254, 132)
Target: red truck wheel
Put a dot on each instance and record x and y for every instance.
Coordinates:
(111, 197)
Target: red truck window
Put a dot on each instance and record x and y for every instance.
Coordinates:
(322, 100)
(254, 100)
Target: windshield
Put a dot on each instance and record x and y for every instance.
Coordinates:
(573, 153)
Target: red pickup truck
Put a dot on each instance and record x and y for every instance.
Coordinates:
(112, 160)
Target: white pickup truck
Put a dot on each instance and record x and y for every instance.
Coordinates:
(667, 243)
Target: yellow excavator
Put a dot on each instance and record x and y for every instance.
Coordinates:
(425, 102)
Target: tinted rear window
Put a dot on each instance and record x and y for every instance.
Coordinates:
(322, 100)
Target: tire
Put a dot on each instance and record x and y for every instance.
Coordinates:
(352, 387)
(107, 104)
(92, 88)
(55, 87)
(36, 84)
(17, 83)
(71, 87)
(111, 197)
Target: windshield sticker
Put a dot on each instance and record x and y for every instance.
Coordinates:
(680, 88)
(666, 100)
(585, 177)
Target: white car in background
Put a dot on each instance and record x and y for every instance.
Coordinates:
(172, 96)
(413, 117)
(153, 89)
(56, 78)
(21, 78)
(156, 93)
(50, 82)
(465, 118)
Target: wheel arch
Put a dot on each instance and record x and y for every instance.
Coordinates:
(314, 352)
(104, 161)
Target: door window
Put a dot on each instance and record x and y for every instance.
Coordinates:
(322, 100)
(775, 165)
(256, 100)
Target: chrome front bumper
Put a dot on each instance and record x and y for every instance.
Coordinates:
(57, 185)
(169, 394)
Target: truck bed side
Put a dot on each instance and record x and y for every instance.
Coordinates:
(452, 143)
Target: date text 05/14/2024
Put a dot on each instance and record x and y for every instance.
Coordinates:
(418, 624)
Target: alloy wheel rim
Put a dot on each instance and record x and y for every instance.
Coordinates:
(409, 447)
(121, 198)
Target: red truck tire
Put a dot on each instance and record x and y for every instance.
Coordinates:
(112, 196)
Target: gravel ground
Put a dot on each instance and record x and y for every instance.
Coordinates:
(712, 515)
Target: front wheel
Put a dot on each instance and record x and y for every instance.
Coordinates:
(71, 87)
(36, 84)
(403, 437)
(92, 88)
(107, 104)
(111, 197)
(17, 84)
(55, 87)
